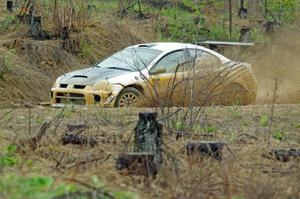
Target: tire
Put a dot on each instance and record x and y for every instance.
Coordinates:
(128, 97)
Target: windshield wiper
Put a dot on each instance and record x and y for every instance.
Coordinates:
(119, 68)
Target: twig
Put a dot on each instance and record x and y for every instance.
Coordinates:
(272, 109)
(70, 166)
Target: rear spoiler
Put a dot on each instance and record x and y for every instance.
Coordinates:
(221, 45)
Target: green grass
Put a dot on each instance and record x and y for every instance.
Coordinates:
(264, 120)
(278, 135)
(36, 186)
(8, 158)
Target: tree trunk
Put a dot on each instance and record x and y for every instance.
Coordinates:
(230, 19)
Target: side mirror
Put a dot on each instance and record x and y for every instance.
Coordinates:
(157, 71)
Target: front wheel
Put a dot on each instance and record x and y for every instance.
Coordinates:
(128, 97)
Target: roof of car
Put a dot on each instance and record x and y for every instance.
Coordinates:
(166, 46)
(171, 46)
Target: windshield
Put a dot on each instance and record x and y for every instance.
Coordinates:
(131, 59)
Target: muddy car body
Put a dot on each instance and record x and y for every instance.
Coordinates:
(173, 74)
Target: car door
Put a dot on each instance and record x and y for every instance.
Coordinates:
(206, 77)
(166, 78)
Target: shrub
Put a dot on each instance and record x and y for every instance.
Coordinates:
(8, 158)
(5, 64)
(278, 135)
(13, 186)
(264, 120)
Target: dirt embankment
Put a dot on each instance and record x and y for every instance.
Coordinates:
(278, 60)
(34, 65)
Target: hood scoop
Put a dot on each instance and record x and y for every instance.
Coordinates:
(79, 76)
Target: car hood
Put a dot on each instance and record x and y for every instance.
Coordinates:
(90, 76)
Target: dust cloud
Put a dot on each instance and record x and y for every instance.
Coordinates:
(279, 59)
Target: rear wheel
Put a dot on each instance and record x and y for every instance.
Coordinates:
(128, 97)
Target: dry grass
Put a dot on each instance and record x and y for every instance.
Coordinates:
(246, 171)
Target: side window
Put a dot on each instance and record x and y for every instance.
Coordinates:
(204, 60)
(171, 61)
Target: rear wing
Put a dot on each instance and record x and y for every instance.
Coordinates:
(220, 46)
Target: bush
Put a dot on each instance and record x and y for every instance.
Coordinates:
(8, 158)
(6, 62)
(13, 186)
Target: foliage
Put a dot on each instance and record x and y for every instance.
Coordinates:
(8, 158)
(296, 125)
(209, 129)
(278, 135)
(86, 49)
(264, 120)
(37, 186)
(6, 62)
(284, 11)
(8, 21)
(13, 186)
(180, 126)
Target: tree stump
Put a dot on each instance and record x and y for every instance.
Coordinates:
(64, 35)
(269, 27)
(205, 148)
(35, 27)
(243, 12)
(9, 6)
(148, 136)
(137, 164)
(245, 34)
(147, 154)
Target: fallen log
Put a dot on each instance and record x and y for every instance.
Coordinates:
(78, 140)
(73, 127)
(285, 155)
(205, 149)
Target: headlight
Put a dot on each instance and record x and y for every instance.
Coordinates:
(57, 82)
(102, 86)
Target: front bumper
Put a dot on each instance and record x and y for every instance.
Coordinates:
(82, 96)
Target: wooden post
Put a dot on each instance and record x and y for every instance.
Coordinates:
(205, 148)
(9, 6)
(147, 155)
(230, 19)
